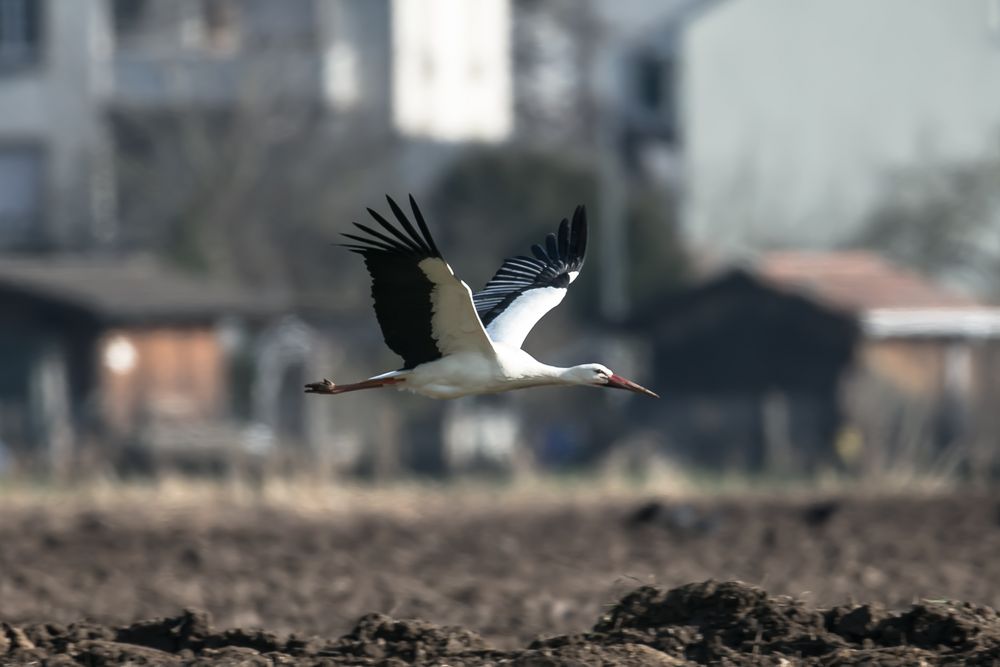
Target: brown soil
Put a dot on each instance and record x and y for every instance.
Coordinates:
(550, 585)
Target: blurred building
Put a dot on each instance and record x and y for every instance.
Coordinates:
(89, 89)
(786, 124)
(927, 353)
(808, 358)
(117, 352)
(750, 374)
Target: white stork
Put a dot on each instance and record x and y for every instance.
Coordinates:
(454, 343)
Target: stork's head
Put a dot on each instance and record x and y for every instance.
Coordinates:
(602, 376)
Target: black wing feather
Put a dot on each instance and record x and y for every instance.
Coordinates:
(578, 234)
(550, 268)
(551, 247)
(564, 238)
(401, 290)
(407, 241)
(405, 222)
(423, 226)
(375, 233)
(388, 247)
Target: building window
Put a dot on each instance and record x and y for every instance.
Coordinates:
(213, 25)
(127, 15)
(649, 82)
(655, 90)
(20, 32)
(21, 184)
(222, 24)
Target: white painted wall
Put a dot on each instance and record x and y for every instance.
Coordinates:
(56, 105)
(795, 111)
(451, 68)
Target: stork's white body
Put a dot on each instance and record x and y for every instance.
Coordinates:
(471, 373)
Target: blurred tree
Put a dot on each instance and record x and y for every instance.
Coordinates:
(255, 192)
(658, 259)
(233, 154)
(496, 202)
(943, 221)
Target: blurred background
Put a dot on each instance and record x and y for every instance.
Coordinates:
(795, 211)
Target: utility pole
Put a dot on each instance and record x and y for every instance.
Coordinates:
(612, 185)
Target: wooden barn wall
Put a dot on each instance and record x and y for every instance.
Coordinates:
(179, 374)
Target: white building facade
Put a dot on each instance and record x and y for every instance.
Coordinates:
(795, 115)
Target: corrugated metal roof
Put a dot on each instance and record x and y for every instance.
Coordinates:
(131, 289)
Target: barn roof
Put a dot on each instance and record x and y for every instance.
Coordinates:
(890, 300)
(857, 280)
(130, 289)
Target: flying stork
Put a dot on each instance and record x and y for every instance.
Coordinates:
(454, 343)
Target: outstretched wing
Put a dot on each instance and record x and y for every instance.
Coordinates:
(525, 288)
(425, 312)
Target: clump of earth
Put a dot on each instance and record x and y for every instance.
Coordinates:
(711, 622)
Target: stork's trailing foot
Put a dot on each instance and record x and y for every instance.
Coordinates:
(322, 387)
(327, 387)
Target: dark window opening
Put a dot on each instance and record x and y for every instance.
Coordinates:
(649, 82)
(127, 15)
(655, 90)
(20, 32)
(21, 189)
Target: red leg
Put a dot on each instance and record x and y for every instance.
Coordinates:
(327, 387)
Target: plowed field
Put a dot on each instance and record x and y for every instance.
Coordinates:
(597, 582)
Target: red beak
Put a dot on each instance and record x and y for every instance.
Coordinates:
(618, 382)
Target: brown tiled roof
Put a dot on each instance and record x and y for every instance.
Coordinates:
(856, 281)
(130, 289)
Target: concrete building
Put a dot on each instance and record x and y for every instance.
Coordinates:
(77, 78)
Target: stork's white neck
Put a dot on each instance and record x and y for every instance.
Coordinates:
(573, 375)
(521, 368)
(582, 374)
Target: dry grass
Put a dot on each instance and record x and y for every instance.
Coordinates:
(311, 496)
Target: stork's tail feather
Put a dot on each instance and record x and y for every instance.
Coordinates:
(327, 387)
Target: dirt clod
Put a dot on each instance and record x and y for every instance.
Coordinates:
(701, 623)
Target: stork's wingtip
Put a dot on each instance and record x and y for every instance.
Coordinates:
(413, 204)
